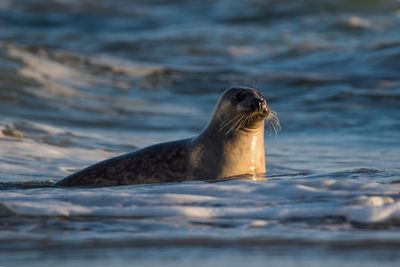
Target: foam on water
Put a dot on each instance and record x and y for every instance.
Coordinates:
(299, 199)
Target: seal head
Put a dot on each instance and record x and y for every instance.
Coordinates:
(240, 109)
(232, 144)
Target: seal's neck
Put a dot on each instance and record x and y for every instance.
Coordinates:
(216, 154)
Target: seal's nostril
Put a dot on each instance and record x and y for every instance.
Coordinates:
(257, 104)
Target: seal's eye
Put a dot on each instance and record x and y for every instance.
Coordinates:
(240, 96)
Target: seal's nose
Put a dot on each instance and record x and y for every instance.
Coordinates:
(257, 104)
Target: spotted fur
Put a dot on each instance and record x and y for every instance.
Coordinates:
(161, 163)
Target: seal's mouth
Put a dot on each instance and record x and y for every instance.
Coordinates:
(259, 111)
(250, 119)
(255, 116)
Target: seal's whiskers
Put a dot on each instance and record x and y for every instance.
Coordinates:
(273, 122)
(238, 121)
(236, 125)
(228, 121)
(242, 122)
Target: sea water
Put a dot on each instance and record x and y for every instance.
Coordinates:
(82, 81)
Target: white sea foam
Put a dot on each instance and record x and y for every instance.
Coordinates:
(57, 77)
(20, 157)
(234, 200)
(127, 67)
(73, 76)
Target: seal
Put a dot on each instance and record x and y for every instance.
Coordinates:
(232, 144)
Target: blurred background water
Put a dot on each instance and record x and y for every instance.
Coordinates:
(84, 80)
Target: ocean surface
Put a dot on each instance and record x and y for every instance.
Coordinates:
(82, 81)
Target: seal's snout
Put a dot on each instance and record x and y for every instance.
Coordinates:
(258, 104)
